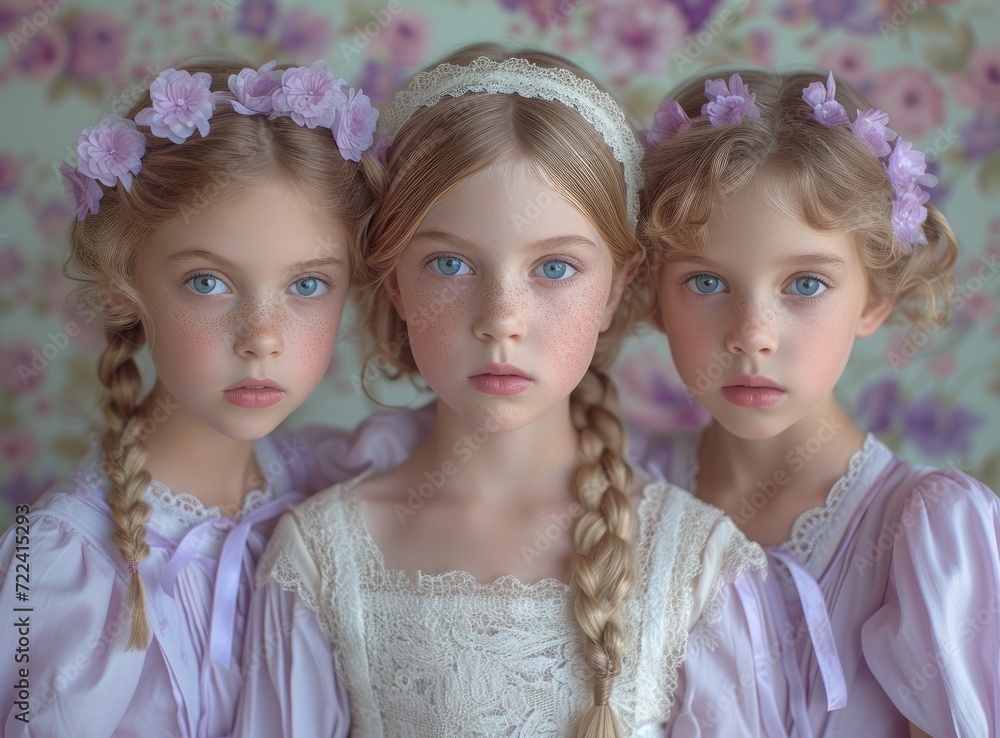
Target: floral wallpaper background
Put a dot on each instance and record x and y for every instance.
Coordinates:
(934, 65)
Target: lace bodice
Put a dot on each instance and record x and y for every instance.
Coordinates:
(445, 655)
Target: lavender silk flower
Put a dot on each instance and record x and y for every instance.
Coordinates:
(111, 151)
(826, 109)
(182, 103)
(669, 120)
(728, 105)
(908, 216)
(872, 129)
(355, 126)
(253, 89)
(82, 193)
(907, 169)
(311, 96)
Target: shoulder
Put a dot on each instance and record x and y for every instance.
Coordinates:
(914, 489)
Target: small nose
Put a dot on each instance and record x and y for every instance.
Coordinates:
(258, 330)
(501, 310)
(753, 329)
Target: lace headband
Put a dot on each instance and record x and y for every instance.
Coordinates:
(521, 77)
(904, 166)
(183, 103)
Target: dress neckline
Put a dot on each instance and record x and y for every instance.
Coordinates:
(460, 580)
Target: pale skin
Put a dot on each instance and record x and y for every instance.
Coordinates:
(509, 299)
(769, 297)
(251, 289)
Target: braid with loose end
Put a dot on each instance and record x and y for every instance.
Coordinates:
(124, 457)
(604, 562)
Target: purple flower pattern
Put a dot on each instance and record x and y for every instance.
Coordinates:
(182, 104)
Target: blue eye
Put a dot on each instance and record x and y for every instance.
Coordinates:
(705, 284)
(206, 284)
(449, 266)
(808, 286)
(556, 270)
(309, 287)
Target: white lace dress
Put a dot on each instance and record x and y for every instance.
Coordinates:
(444, 655)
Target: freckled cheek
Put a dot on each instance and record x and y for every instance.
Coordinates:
(309, 338)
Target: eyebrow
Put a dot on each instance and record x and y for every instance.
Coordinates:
(200, 254)
(545, 244)
(796, 262)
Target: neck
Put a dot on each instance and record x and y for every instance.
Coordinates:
(191, 457)
(505, 466)
(810, 453)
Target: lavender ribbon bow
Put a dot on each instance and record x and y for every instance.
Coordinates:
(228, 570)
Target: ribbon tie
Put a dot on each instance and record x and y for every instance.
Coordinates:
(227, 571)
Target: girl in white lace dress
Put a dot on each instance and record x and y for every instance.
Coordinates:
(784, 232)
(511, 577)
(220, 238)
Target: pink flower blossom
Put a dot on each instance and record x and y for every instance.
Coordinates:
(912, 99)
(826, 109)
(851, 62)
(979, 306)
(17, 372)
(182, 103)
(636, 36)
(305, 34)
(942, 366)
(42, 57)
(310, 95)
(871, 129)
(979, 85)
(669, 120)
(405, 39)
(727, 105)
(355, 126)
(18, 449)
(111, 151)
(98, 46)
(253, 90)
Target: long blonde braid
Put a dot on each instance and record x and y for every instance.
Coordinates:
(124, 458)
(604, 562)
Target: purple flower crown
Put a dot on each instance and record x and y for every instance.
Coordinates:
(183, 103)
(904, 166)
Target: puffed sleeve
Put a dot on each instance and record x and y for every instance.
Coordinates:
(291, 686)
(320, 457)
(730, 682)
(934, 645)
(64, 664)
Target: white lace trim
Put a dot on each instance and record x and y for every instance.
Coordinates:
(521, 77)
(812, 525)
(180, 508)
(445, 654)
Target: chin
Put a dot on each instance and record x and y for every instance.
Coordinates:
(754, 428)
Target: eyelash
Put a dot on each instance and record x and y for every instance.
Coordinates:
(318, 277)
(822, 280)
(578, 268)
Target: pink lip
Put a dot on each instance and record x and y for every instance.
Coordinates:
(500, 379)
(253, 393)
(753, 391)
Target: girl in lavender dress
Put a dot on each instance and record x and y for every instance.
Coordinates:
(786, 224)
(215, 223)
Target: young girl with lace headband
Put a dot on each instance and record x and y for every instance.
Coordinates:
(215, 226)
(785, 223)
(512, 577)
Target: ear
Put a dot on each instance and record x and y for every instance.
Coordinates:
(391, 284)
(873, 315)
(619, 284)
